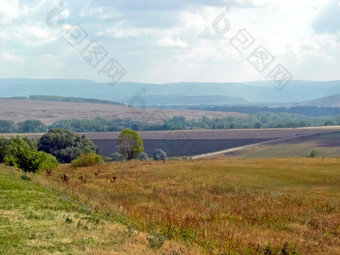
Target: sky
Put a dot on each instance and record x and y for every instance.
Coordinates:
(163, 41)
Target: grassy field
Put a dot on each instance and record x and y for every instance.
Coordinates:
(226, 206)
(36, 220)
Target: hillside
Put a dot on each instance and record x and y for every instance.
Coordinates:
(50, 111)
(331, 101)
(228, 206)
(131, 93)
(38, 220)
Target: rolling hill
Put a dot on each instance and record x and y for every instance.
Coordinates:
(132, 93)
(331, 101)
(50, 111)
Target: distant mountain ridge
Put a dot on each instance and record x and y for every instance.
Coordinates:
(65, 99)
(125, 92)
(194, 100)
(330, 101)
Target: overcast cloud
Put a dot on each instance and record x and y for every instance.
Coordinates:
(171, 40)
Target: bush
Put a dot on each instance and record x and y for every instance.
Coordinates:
(116, 156)
(89, 159)
(313, 154)
(143, 156)
(156, 241)
(25, 178)
(159, 155)
(22, 154)
(108, 159)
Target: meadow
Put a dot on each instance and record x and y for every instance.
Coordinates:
(222, 206)
(39, 220)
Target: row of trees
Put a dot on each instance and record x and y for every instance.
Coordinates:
(259, 120)
(66, 146)
(28, 126)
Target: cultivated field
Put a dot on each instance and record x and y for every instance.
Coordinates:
(228, 206)
(49, 112)
(179, 143)
(326, 145)
(195, 142)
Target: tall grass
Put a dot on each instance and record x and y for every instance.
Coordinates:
(241, 206)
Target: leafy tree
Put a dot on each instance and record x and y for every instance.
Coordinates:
(159, 155)
(23, 156)
(65, 145)
(129, 144)
(4, 148)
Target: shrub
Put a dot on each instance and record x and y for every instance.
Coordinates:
(48, 161)
(25, 178)
(313, 154)
(143, 156)
(159, 155)
(156, 241)
(24, 156)
(116, 156)
(88, 159)
(108, 159)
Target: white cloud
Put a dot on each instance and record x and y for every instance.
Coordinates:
(170, 42)
(34, 35)
(100, 13)
(9, 10)
(174, 37)
(8, 56)
(65, 13)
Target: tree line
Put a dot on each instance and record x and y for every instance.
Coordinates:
(62, 146)
(256, 121)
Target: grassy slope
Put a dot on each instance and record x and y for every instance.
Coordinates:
(227, 206)
(35, 220)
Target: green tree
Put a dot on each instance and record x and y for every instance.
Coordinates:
(65, 145)
(4, 148)
(129, 144)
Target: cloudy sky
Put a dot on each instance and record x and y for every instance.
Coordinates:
(160, 41)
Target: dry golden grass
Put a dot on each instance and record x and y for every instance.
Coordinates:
(36, 220)
(225, 206)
